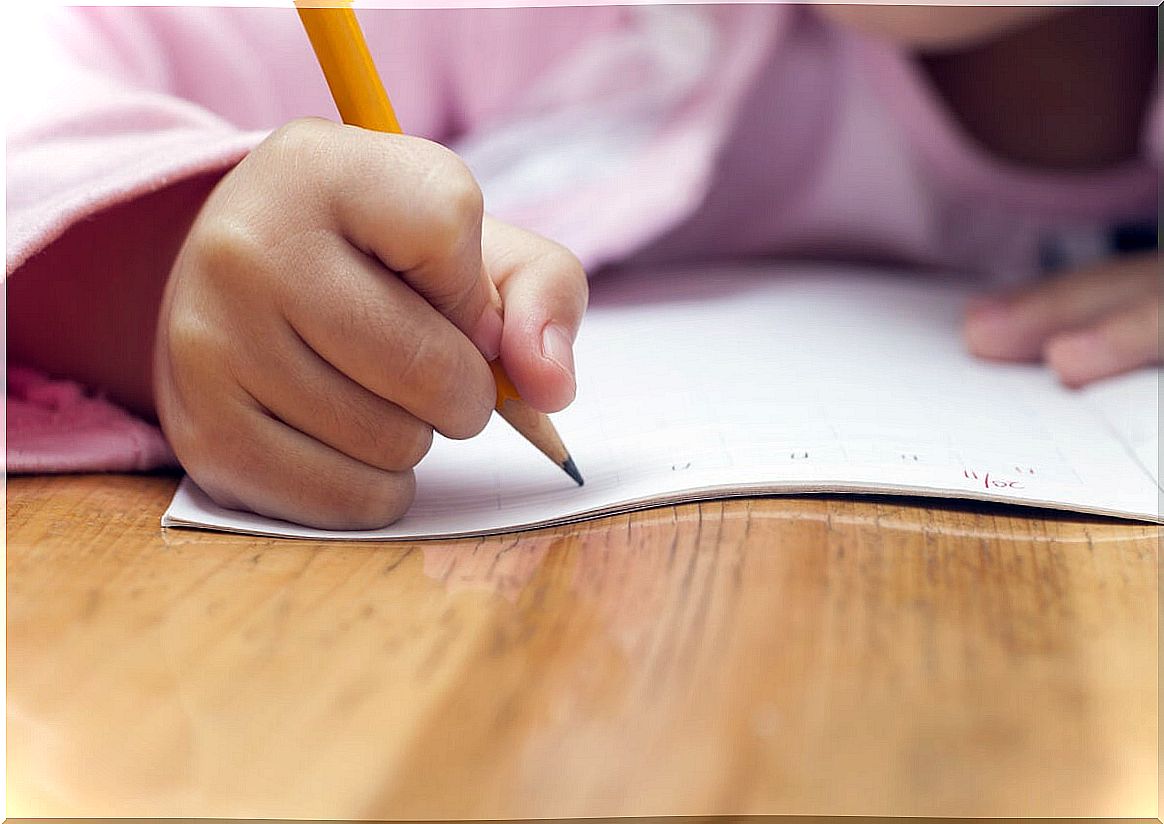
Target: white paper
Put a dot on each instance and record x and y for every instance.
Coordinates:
(711, 383)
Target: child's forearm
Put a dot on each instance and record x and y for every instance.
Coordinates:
(86, 307)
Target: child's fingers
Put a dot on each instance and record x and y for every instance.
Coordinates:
(248, 460)
(301, 389)
(366, 323)
(415, 206)
(544, 290)
(1016, 327)
(1122, 341)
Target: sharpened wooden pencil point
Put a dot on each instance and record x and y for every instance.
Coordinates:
(531, 424)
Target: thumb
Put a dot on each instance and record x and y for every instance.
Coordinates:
(544, 292)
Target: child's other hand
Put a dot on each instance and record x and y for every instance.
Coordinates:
(335, 302)
(1087, 325)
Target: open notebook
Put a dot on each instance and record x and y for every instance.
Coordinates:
(712, 383)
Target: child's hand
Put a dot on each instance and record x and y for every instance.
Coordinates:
(334, 303)
(1087, 325)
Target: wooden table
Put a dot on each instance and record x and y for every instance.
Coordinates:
(806, 655)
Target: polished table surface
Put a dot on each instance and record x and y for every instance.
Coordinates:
(789, 655)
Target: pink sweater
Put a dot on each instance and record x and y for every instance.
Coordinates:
(633, 134)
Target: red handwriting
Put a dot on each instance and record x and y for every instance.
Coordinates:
(992, 483)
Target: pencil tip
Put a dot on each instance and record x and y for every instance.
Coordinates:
(572, 470)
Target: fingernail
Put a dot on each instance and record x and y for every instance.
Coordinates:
(558, 347)
(487, 334)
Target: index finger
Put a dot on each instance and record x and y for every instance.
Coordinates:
(415, 206)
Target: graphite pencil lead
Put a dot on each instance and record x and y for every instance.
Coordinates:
(572, 470)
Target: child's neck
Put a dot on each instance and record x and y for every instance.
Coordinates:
(1070, 92)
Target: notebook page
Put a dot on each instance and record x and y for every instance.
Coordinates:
(705, 383)
(1129, 407)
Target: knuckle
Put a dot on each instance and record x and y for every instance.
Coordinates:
(299, 137)
(456, 201)
(464, 195)
(561, 258)
(229, 247)
(566, 262)
(300, 156)
(195, 352)
(187, 334)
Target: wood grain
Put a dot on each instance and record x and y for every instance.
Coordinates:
(809, 656)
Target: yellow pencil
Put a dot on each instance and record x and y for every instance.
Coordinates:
(361, 100)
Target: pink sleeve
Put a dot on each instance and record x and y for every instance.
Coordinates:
(104, 129)
(55, 426)
(96, 128)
